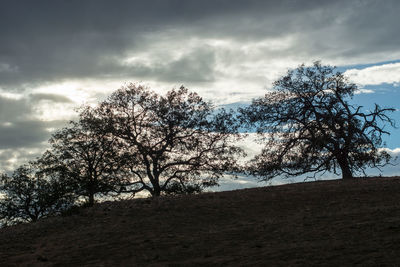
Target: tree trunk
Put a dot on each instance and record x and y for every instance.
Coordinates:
(156, 191)
(346, 172)
(156, 185)
(91, 200)
(33, 218)
(91, 191)
(344, 166)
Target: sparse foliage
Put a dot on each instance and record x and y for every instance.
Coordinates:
(29, 194)
(308, 125)
(177, 188)
(88, 156)
(169, 140)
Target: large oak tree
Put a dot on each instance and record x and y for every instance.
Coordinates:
(308, 125)
(175, 141)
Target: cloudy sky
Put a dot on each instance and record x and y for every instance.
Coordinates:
(56, 55)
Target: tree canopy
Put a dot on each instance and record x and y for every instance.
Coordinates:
(308, 125)
(86, 153)
(169, 139)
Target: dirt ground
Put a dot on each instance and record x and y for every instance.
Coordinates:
(322, 223)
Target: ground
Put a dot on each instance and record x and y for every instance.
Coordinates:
(338, 222)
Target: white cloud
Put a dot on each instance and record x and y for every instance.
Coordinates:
(11, 95)
(250, 145)
(364, 91)
(393, 152)
(387, 73)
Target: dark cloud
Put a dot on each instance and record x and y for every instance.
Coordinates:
(55, 40)
(22, 141)
(18, 128)
(13, 109)
(23, 134)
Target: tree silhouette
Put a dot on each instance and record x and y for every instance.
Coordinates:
(88, 156)
(169, 140)
(30, 194)
(308, 125)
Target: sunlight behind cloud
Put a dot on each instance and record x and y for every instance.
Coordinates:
(225, 70)
(11, 95)
(71, 89)
(80, 92)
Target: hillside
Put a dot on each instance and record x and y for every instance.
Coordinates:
(318, 223)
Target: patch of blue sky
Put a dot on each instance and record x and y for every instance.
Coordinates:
(386, 96)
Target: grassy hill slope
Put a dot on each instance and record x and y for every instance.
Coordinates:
(317, 223)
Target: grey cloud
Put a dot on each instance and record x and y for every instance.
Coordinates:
(23, 155)
(13, 109)
(18, 128)
(23, 141)
(50, 97)
(361, 30)
(7, 68)
(22, 134)
(196, 66)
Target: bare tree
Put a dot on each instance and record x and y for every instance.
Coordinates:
(171, 141)
(88, 155)
(307, 125)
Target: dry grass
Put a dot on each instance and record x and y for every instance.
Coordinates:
(318, 223)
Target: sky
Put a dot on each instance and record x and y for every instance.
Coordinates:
(57, 55)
